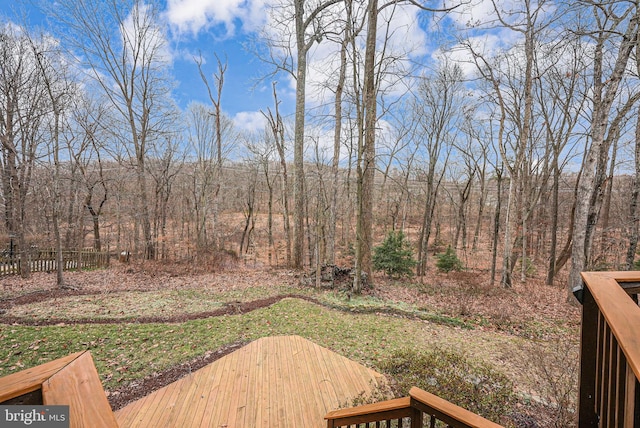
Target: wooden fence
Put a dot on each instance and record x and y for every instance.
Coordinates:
(46, 261)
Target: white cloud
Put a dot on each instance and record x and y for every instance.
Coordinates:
(399, 34)
(250, 121)
(474, 13)
(487, 45)
(153, 42)
(482, 13)
(405, 34)
(196, 15)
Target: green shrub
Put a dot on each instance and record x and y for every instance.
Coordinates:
(529, 267)
(448, 374)
(394, 256)
(448, 261)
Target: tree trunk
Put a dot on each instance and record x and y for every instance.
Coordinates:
(147, 235)
(496, 226)
(481, 203)
(337, 134)
(555, 191)
(604, 94)
(634, 214)
(298, 145)
(606, 206)
(269, 210)
(277, 127)
(369, 156)
(507, 258)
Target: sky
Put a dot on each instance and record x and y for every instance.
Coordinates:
(195, 27)
(222, 28)
(225, 27)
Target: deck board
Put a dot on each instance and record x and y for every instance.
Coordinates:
(31, 379)
(272, 382)
(78, 386)
(73, 381)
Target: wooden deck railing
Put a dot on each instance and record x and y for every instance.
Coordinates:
(610, 350)
(417, 410)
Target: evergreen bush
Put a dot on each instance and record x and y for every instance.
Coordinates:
(448, 261)
(394, 256)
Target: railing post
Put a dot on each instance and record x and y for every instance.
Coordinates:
(416, 418)
(636, 416)
(587, 416)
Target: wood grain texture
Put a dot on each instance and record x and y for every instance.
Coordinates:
(29, 380)
(72, 380)
(78, 385)
(620, 311)
(272, 382)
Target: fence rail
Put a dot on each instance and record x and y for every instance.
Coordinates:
(46, 261)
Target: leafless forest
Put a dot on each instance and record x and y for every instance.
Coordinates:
(524, 158)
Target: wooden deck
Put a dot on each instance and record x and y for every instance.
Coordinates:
(72, 380)
(279, 381)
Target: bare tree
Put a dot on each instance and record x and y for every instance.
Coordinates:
(206, 131)
(530, 28)
(437, 109)
(499, 172)
(561, 97)
(511, 77)
(24, 105)
(59, 91)
(366, 165)
(374, 71)
(86, 145)
(277, 129)
(480, 152)
(288, 49)
(165, 165)
(401, 152)
(463, 181)
(216, 100)
(617, 24)
(128, 65)
(263, 151)
(346, 41)
(249, 208)
(634, 213)
(201, 132)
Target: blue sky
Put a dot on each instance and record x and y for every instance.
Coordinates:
(208, 26)
(240, 78)
(223, 27)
